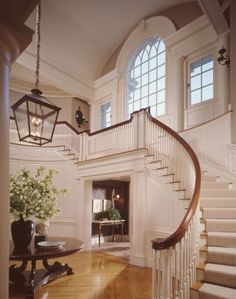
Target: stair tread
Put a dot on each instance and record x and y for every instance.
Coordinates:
(216, 290)
(196, 286)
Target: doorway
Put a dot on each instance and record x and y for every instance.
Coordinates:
(110, 216)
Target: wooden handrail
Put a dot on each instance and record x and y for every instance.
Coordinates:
(173, 239)
(205, 122)
(114, 126)
(70, 126)
(98, 131)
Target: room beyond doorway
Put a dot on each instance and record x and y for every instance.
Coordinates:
(110, 197)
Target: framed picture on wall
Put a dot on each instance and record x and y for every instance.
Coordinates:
(97, 205)
(106, 204)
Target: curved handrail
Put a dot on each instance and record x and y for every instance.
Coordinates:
(95, 132)
(173, 239)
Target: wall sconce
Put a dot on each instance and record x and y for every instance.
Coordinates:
(79, 117)
(114, 197)
(223, 59)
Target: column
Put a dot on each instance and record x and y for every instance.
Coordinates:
(14, 38)
(138, 211)
(4, 169)
(233, 67)
(177, 91)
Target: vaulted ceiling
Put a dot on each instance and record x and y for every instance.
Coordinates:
(79, 36)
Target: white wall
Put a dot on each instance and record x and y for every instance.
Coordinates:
(189, 43)
(66, 223)
(149, 197)
(65, 103)
(154, 210)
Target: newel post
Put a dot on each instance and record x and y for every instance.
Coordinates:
(142, 128)
(135, 125)
(139, 128)
(83, 146)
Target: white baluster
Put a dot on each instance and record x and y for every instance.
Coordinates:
(154, 275)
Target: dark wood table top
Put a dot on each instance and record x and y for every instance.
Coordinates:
(71, 246)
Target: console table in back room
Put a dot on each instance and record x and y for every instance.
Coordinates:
(113, 223)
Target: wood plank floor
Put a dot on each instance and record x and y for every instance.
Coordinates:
(98, 275)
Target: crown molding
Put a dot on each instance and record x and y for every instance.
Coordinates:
(74, 86)
(24, 86)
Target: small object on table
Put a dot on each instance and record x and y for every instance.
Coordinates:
(39, 238)
(47, 245)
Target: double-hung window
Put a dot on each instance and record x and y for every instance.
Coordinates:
(105, 115)
(201, 80)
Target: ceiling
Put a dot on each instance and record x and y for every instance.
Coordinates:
(79, 36)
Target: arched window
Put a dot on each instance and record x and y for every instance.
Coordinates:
(145, 80)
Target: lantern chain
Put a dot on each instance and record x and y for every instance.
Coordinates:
(38, 39)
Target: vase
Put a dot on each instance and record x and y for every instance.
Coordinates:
(22, 233)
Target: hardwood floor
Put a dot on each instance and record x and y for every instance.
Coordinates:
(97, 275)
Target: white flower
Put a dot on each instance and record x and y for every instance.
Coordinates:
(34, 195)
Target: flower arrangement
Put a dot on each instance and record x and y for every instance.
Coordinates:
(34, 195)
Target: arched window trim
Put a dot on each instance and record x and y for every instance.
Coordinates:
(151, 92)
(155, 26)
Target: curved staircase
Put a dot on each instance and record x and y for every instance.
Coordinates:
(216, 272)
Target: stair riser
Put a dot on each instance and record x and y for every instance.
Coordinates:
(203, 257)
(218, 203)
(203, 241)
(220, 279)
(216, 278)
(206, 178)
(155, 165)
(222, 258)
(219, 213)
(221, 242)
(220, 227)
(194, 294)
(200, 275)
(214, 185)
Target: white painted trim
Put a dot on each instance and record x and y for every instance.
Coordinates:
(155, 26)
(81, 87)
(106, 78)
(198, 33)
(186, 31)
(158, 26)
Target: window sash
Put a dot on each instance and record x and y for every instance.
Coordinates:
(201, 80)
(146, 78)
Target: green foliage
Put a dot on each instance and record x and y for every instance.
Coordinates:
(110, 214)
(34, 195)
(113, 214)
